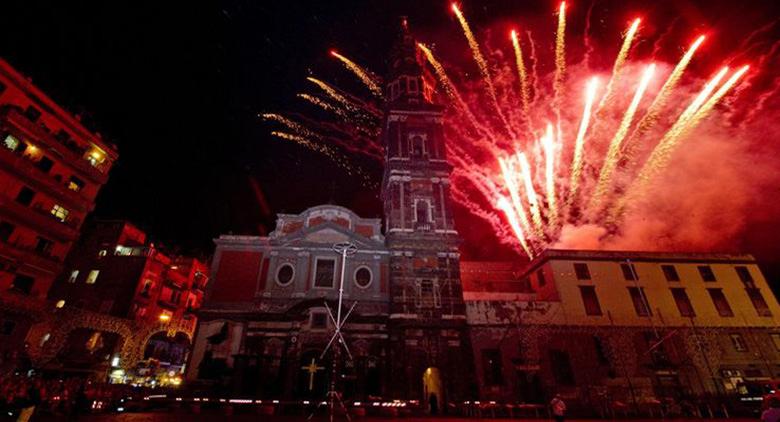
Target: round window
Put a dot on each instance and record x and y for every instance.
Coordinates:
(363, 277)
(284, 274)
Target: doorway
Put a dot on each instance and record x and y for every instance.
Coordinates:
(432, 391)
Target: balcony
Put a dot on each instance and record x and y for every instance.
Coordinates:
(73, 155)
(27, 255)
(143, 251)
(167, 304)
(40, 181)
(173, 284)
(40, 220)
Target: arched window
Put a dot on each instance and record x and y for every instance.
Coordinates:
(418, 146)
(422, 211)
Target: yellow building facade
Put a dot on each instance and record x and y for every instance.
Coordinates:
(636, 329)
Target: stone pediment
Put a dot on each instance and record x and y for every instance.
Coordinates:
(327, 234)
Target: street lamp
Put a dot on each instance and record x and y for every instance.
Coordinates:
(345, 249)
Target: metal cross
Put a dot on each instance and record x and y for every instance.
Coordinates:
(312, 369)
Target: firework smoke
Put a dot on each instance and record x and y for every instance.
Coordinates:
(597, 173)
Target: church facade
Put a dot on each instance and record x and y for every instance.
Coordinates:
(266, 315)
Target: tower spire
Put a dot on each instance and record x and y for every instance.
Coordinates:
(407, 79)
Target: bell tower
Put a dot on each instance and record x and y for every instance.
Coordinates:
(427, 313)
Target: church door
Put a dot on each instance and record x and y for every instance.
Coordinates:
(432, 391)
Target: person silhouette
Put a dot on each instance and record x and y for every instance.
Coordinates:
(433, 402)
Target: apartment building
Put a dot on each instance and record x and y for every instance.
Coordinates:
(51, 169)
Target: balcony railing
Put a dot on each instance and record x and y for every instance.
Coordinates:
(167, 304)
(40, 219)
(73, 153)
(25, 254)
(173, 284)
(26, 169)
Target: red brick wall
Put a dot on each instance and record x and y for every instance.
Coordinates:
(343, 222)
(236, 276)
(366, 231)
(292, 227)
(263, 274)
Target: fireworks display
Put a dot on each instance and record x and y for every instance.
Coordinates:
(541, 156)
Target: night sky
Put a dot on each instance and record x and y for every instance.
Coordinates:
(177, 86)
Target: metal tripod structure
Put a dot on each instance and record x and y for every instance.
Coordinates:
(345, 249)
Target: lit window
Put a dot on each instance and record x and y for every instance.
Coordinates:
(11, 143)
(30, 150)
(60, 213)
(165, 316)
(75, 184)
(95, 342)
(95, 157)
(73, 275)
(123, 250)
(60, 304)
(92, 277)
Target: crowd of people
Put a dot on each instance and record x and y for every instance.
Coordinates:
(21, 396)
